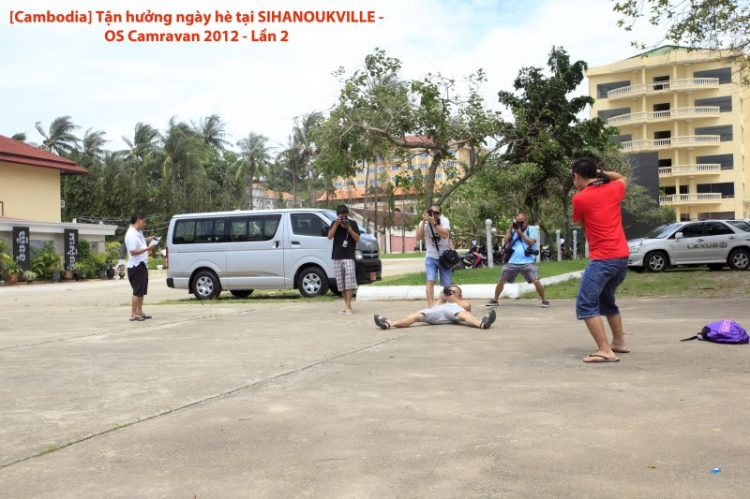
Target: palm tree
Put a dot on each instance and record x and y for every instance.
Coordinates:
(212, 131)
(20, 137)
(59, 139)
(292, 160)
(92, 146)
(405, 183)
(254, 159)
(302, 135)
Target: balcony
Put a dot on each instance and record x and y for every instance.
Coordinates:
(690, 170)
(685, 141)
(680, 113)
(684, 85)
(712, 198)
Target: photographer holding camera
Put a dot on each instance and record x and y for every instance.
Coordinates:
(520, 257)
(345, 234)
(436, 231)
(451, 309)
(597, 206)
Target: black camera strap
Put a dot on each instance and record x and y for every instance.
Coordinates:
(435, 238)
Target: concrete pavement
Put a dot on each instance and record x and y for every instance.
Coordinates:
(269, 399)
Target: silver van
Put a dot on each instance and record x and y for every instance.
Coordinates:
(241, 251)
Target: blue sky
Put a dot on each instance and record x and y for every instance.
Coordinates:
(56, 70)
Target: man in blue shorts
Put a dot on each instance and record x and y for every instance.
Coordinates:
(435, 227)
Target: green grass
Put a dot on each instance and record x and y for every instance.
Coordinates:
(687, 283)
(153, 262)
(484, 275)
(258, 296)
(396, 256)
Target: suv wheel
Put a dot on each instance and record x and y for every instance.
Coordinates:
(739, 259)
(242, 293)
(656, 262)
(312, 282)
(206, 285)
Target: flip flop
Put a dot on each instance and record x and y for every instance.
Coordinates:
(382, 322)
(621, 351)
(604, 361)
(138, 318)
(342, 311)
(487, 320)
(147, 317)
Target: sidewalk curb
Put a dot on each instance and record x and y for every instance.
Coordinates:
(470, 291)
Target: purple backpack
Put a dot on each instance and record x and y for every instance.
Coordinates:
(726, 331)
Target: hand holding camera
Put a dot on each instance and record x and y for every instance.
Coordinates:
(603, 177)
(344, 220)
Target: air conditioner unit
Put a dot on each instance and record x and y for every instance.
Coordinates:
(62, 203)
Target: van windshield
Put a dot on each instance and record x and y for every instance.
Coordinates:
(661, 232)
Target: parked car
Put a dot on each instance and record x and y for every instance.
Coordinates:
(715, 243)
(242, 251)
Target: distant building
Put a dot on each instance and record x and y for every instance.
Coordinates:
(685, 117)
(30, 199)
(267, 199)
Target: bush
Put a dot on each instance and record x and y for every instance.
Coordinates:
(153, 262)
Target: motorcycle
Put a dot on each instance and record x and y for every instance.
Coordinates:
(471, 260)
(545, 255)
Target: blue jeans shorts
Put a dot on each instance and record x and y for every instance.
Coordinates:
(432, 266)
(596, 296)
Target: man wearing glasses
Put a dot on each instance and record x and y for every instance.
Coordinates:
(436, 231)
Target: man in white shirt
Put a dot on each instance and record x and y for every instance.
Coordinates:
(435, 225)
(138, 248)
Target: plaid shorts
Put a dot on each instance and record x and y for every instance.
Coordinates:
(529, 271)
(345, 273)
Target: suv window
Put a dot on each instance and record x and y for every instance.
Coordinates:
(717, 229)
(308, 224)
(692, 230)
(744, 226)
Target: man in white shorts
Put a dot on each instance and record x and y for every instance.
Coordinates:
(451, 309)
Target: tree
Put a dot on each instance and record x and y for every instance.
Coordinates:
(60, 138)
(20, 137)
(547, 131)
(92, 146)
(303, 138)
(212, 131)
(700, 24)
(253, 161)
(377, 112)
(291, 159)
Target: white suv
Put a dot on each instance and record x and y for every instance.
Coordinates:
(715, 243)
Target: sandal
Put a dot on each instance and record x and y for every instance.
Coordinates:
(382, 322)
(601, 359)
(137, 318)
(147, 317)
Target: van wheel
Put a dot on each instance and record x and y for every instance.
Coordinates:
(739, 259)
(715, 266)
(242, 293)
(312, 282)
(206, 285)
(656, 262)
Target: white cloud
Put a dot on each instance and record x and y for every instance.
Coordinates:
(59, 70)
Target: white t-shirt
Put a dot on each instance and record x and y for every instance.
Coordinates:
(443, 244)
(134, 240)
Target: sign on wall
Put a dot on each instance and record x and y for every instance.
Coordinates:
(70, 246)
(22, 247)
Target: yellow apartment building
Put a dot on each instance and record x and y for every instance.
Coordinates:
(684, 115)
(386, 168)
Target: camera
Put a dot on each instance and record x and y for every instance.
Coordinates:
(431, 212)
(531, 251)
(434, 215)
(603, 177)
(447, 291)
(517, 225)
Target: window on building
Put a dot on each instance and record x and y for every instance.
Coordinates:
(611, 113)
(360, 172)
(381, 169)
(603, 88)
(337, 184)
(621, 138)
(450, 163)
(663, 134)
(394, 168)
(724, 131)
(423, 166)
(451, 151)
(372, 170)
(360, 182)
(725, 160)
(725, 188)
(663, 106)
(724, 103)
(665, 162)
(372, 182)
(671, 190)
(718, 215)
(659, 79)
(723, 74)
(438, 175)
(423, 154)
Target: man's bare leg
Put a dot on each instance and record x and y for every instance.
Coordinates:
(469, 319)
(430, 293)
(539, 289)
(140, 306)
(618, 334)
(408, 320)
(596, 328)
(348, 294)
(134, 306)
(499, 289)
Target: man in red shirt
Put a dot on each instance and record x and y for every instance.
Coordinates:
(597, 206)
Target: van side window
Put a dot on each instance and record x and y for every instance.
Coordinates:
(204, 231)
(308, 224)
(254, 228)
(184, 232)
